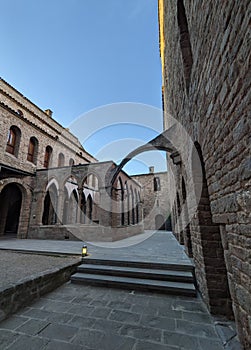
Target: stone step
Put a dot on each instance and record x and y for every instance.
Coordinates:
(177, 288)
(136, 272)
(140, 264)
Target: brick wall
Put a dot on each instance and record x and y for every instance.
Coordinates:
(212, 103)
(154, 203)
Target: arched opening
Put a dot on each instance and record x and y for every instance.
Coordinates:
(73, 208)
(32, 150)
(209, 258)
(10, 207)
(159, 222)
(60, 160)
(89, 209)
(137, 206)
(66, 207)
(71, 162)
(83, 209)
(47, 157)
(70, 201)
(13, 140)
(50, 206)
(121, 202)
(132, 206)
(128, 204)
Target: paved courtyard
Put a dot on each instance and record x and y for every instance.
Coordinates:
(84, 317)
(96, 318)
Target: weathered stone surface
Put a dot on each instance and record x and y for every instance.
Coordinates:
(213, 108)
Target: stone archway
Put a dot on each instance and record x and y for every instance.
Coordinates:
(161, 143)
(10, 207)
(50, 206)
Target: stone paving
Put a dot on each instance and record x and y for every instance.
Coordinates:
(94, 318)
(84, 317)
(160, 246)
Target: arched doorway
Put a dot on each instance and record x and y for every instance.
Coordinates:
(10, 207)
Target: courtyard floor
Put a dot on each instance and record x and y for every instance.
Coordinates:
(96, 318)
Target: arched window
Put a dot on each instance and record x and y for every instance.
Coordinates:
(60, 159)
(13, 141)
(47, 156)
(32, 150)
(71, 162)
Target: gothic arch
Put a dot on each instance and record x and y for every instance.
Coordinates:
(50, 205)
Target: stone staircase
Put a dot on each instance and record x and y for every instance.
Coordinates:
(177, 279)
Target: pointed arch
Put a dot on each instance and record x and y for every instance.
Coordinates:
(121, 201)
(50, 206)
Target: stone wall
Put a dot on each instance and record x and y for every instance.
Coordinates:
(206, 78)
(154, 202)
(108, 226)
(17, 110)
(30, 180)
(30, 289)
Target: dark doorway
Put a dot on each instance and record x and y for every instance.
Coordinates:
(10, 207)
(169, 223)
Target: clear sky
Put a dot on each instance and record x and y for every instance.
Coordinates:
(74, 56)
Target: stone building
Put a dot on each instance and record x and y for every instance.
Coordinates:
(155, 200)
(50, 187)
(205, 53)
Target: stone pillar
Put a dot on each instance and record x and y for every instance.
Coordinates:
(105, 207)
(37, 207)
(80, 194)
(60, 207)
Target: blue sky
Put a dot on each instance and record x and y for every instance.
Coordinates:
(73, 56)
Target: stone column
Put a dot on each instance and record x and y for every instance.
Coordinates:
(80, 194)
(105, 207)
(38, 207)
(60, 207)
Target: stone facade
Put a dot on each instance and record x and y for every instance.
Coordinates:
(205, 53)
(50, 187)
(155, 200)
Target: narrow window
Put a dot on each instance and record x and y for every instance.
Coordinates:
(71, 162)
(156, 184)
(60, 159)
(13, 141)
(32, 150)
(47, 156)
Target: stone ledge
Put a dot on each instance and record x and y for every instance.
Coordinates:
(14, 297)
